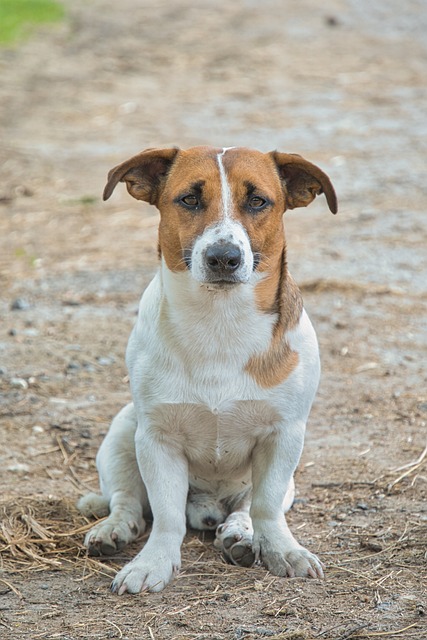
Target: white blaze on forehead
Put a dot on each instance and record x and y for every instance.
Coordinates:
(225, 229)
(225, 187)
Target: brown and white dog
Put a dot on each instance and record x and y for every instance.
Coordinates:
(223, 364)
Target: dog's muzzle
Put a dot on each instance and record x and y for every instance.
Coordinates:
(222, 255)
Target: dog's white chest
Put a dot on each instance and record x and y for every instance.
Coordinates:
(217, 441)
(187, 359)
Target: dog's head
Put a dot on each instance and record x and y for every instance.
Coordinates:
(221, 209)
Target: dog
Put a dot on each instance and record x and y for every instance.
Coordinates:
(223, 364)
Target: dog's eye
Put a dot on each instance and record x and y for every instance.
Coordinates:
(190, 201)
(257, 202)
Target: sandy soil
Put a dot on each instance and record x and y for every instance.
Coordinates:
(342, 83)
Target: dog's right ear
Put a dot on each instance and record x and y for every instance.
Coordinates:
(144, 174)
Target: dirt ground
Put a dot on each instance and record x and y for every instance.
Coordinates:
(341, 82)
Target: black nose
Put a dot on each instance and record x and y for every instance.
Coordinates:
(224, 258)
(210, 521)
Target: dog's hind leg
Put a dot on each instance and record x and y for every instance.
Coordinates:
(123, 493)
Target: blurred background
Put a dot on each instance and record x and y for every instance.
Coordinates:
(84, 84)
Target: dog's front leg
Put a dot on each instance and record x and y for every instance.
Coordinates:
(165, 474)
(274, 462)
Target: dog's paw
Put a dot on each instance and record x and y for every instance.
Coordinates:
(146, 572)
(110, 536)
(234, 538)
(295, 562)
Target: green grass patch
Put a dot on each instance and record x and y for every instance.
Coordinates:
(19, 17)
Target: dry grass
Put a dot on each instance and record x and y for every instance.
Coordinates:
(38, 535)
(414, 470)
(367, 569)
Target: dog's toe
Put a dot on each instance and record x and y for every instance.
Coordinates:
(150, 571)
(240, 554)
(234, 538)
(297, 562)
(229, 541)
(101, 548)
(108, 537)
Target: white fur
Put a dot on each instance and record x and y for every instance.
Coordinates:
(200, 422)
(227, 197)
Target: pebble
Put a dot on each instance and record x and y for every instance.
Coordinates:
(31, 333)
(363, 506)
(20, 304)
(19, 382)
(73, 366)
(242, 632)
(19, 467)
(37, 429)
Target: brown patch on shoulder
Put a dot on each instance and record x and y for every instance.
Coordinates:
(274, 365)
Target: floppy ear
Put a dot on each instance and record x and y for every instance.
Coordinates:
(302, 181)
(144, 174)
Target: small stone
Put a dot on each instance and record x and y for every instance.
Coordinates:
(31, 333)
(371, 545)
(73, 366)
(19, 467)
(340, 325)
(73, 347)
(363, 506)
(19, 382)
(300, 501)
(332, 21)
(20, 304)
(37, 429)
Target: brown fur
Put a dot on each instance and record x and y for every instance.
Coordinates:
(277, 363)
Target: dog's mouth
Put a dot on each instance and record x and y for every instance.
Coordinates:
(220, 285)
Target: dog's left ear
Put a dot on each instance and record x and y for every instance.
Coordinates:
(302, 181)
(144, 174)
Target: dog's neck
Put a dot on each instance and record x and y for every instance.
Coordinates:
(258, 311)
(194, 299)
(208, 320)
